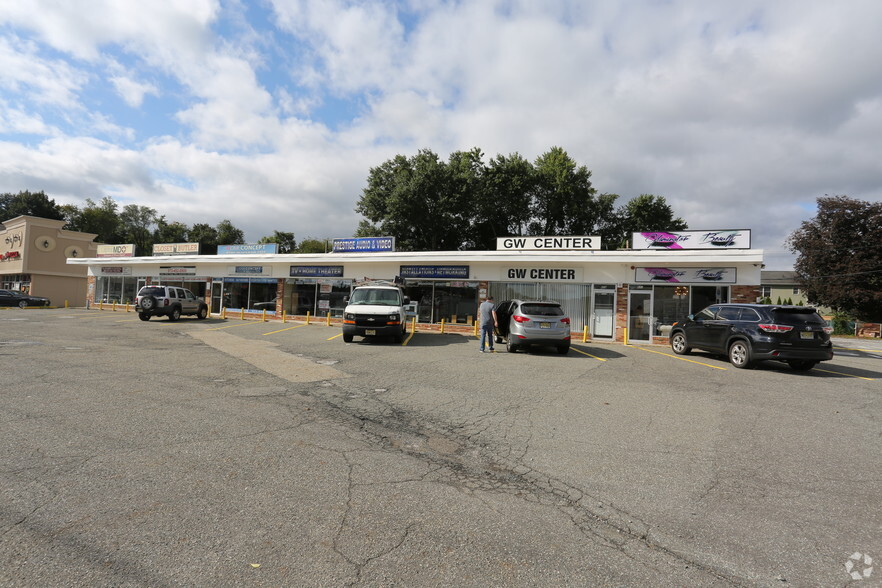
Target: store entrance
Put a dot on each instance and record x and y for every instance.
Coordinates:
(604, 313)
(639, 314)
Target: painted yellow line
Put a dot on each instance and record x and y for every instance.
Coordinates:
(716, 367)
(407, 339)
(242, 324)
(876, 351)
(340, 334)
(843, 374)
(286, 329)
(585, 353)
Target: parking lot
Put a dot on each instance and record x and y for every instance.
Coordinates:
(229, 452)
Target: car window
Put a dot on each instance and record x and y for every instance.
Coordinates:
(190, 295)
(730, 313)
(708, 314)
(796, 316)
(750, 315)
(152, 291)
(539, 309)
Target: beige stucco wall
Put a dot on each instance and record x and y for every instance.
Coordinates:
(43, 247)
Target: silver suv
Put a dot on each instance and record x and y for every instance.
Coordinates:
(532, 322)
(169, 301)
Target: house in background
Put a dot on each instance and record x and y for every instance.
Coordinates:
(33, 259)
(783, 285)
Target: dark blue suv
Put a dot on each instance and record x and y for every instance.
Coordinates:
(748, 333)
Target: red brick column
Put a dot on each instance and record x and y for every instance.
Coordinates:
(621, 313)
(748, 294)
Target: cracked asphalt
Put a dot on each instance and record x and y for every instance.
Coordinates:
(213, 453)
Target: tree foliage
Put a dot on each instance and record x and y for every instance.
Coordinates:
(30, 204)
(464, 203)
(839, 261)
(284, 240)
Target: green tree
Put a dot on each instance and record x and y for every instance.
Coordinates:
(366, 229)
(311, 245)
(284, 240)
(206, 236)
(100, 218)
(564, 202)
(136, 224)
(227, 234)
(839, 262)
(174, 232)
(648, 213)
(408, 198)
(503, 205)
(30, 204)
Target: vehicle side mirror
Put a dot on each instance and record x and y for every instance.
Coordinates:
(691, 317)
(406, 301)
(346, 299)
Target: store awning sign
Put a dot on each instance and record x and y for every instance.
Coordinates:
(364, 245)
(316, 271)
(178, 270)
(542, 274)
(247, 270)
(125, 250)
(116, 270)
(723, 239)
(547, 243)
(162, 249)
(448, 272)
(248, 249)
(685, 275)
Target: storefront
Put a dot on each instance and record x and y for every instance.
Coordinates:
(606, 293)
(33, 259)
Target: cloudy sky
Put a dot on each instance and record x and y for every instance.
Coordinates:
(271, 112)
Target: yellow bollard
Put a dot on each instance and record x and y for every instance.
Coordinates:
(101, 305)
(585, 334)
(329, 318)
(413, 326)
(224, 313)
(442, 326)
(626, 335)
(264, 315)
(283, 316)
(66, 304)
(476, 329)
(113, 306)
(307, 317)
(242, 313)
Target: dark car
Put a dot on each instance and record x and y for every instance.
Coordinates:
(748, 333)
(13, 298)
(522, 323)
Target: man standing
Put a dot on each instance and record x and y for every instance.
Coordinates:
(487, 312)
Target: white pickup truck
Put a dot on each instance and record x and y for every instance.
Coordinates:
(374, 311)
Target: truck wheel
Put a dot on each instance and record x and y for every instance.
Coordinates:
(143, 316)
(148, 303)
(202, 313)
(175, 314)
(23, 304)
(347, 338)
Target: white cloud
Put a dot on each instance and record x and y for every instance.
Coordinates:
(132, 91)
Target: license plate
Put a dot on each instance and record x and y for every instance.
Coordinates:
(544, 325)
(370, 332)
(806, 335)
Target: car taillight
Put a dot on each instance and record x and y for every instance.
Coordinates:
(773, 328)
(565, 320)
(165, 302)
(520, 319)
(828, 330)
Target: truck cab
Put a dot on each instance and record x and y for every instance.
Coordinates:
(375, 310)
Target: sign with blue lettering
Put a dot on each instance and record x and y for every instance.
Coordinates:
(450, 272)
(316, 271)
(250, 281)
(364, 245)
(248, 249)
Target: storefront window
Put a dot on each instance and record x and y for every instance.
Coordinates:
(574, 298)
(245, 292)
(703, 296)
(316, 296)
(434, 300)
(121, 290)
(670, 304)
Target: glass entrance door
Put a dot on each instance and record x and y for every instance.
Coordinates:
(604, 313)
(216, 290)
(639, 311)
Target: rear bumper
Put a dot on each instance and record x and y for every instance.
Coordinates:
(784, 354)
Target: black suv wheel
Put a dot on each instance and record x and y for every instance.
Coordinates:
(739, 354)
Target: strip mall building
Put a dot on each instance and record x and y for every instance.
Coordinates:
(662, 278)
